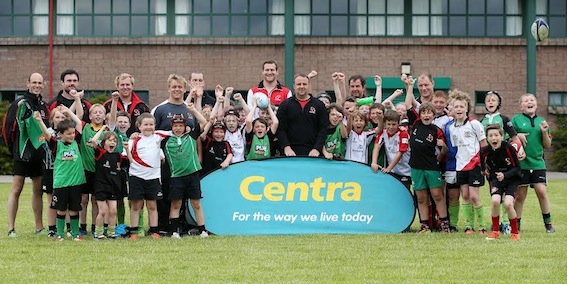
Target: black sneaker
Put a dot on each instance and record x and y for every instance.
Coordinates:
(549, 228)
(453, 229)
(51, 234)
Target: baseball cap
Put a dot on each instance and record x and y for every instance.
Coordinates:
(231, 112)
(177, 118)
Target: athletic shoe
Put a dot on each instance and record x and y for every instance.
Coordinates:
(482, 232)
(82, 232)
(453, 229)
(133, 237)
(515, 237)
(469, 231)
(69, 234)
(99, 237)
(549, 228)
(59, 239)
(51, 234)
(493, 235)
(78, 239)
(12, 234)
(156, 236)
(39, 231)
(176, 235)
(424, 229)
(505, 228)
(204, 234)
(193, 232)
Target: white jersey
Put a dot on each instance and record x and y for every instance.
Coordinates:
(466, 137)
(394, 144)
(237, 141)
(146, 156)
(357, 145)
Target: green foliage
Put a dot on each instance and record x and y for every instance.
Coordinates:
(559, 155)
(6, 165)
(98, 98)
(368, 258)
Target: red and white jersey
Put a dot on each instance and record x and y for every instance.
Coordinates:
(466, 137)
(237, 141)
(146, 156)
(398, 142)
(357, 145)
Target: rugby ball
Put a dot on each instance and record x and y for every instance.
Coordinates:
(540, 29)
(262, 100)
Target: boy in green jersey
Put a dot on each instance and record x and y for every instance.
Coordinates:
(259, 134)
(534, 133)
(68, 175)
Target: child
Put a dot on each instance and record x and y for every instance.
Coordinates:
(336, 134)
(499, 162)
(535, 134)
(260, 134)
(467, 134)
(97, 115)
(181, 153)
(109, 180)
(68, 174)
(217, 152)
(235, 132)
(492, 103)
(396, 144)
(358, 138)
(424, 140)
(145, 171)
(452, 189)
(57, 115)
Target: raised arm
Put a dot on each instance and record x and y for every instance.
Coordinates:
(409, 91)
(378, 83)
(78, 122)
(238, 97)
(275, 121)
(37, 116)
(339, 87)
(250, 116)
(96, 137)
(77, 106)
(113, 111)
(200, 118)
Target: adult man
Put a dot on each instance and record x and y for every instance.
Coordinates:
(270, 86)
(69, 82)
(197, 86)
(425, 86)
(357, 86)
(163, 113)
(303, 122)
(128, 100)
(28, 160)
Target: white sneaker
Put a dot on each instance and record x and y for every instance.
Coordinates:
(176, 236)
(204, 234)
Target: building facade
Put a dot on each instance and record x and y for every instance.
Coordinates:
(477, 45)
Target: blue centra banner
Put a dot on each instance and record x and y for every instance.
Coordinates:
(301, 195)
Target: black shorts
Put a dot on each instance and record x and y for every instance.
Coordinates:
(531, 177)
(47, 181)
(405, 180)
(124, 187)
(106, 191)
(472, 177)
(89, 186)
(188, 186)
(32, 168)
(67, 198)
(141, 189)
(504, 188)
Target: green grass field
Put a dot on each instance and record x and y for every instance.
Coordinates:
(433, 258)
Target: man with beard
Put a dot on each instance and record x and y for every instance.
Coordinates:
(70, 82)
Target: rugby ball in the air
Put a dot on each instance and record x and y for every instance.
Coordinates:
(262, 100)
(540, 29)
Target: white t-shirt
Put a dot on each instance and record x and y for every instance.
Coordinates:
(146, 156)
(237, 141)
(357, 145)
(393, 144)
(466, 137)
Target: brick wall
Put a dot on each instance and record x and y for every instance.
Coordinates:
(473, 64)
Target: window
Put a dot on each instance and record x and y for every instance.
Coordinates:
(558, 99)
(24, 17)
(350, 17)
(553, 11)
(11, 95)
(482, 18)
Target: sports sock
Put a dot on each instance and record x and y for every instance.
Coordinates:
(111, 230)
(141, 219)
(546, 218)
(93, 227)
(479, 217)
(83, 227)
(69, 227)
(105, 230)
(54, 227)
(60, 225)
(424, 223)
(134, 230)
(153, 230)
(75, 225)
(174, 225)
(519, 220)
(99, 231)
(120, 213)
(201, 228)
(504, 214)
(454, 207)
(495, 223)
(468, 215)
(514, 224)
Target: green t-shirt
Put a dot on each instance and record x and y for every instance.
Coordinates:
(534, 146)
(335, 144)
(182, 156)
(68, 166)
(30, 131)
(259, 148)
(87, 152)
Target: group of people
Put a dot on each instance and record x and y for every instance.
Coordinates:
(80, 153)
